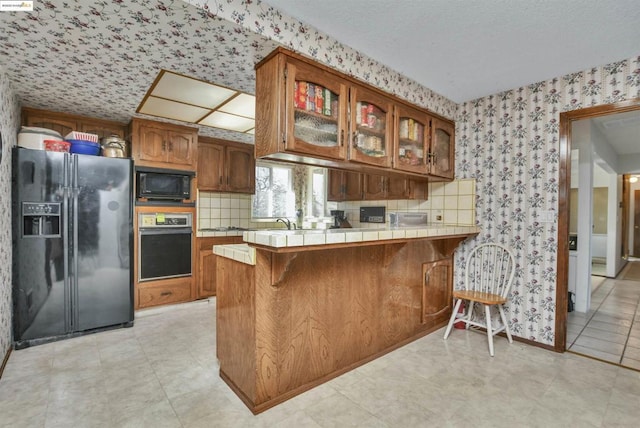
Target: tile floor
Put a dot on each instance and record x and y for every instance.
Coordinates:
(610, 330)
(163, 373)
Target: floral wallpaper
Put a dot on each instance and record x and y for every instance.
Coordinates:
(509, 142)
(268, 21)
(9, 123)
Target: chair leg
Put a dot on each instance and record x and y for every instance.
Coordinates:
(504, 321)
(487, 312)
(469, 314)
(453, 318)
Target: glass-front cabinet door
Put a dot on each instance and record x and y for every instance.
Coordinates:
(370, 125)
(442, 149)
(411, 140)
(316, 105)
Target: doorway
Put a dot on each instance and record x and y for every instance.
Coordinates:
(566, 122)
(636, 223)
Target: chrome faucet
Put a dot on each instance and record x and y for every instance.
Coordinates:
(286, 222)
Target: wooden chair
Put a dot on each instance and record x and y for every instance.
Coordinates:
(488, 277)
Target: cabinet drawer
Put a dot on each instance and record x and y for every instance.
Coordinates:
(160, 294)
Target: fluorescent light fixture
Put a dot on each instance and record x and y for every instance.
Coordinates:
(184, 98)
(172, 110)
(218, 119)
(242, 105)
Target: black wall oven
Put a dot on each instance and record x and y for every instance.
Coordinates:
(164, 249)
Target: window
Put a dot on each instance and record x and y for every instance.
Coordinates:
(317, 200)
(274, 195)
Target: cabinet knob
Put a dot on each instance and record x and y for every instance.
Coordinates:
(166, 293)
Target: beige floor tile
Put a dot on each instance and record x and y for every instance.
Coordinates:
(172, 380)
(596, 354)
(599, 345)
(606, 336)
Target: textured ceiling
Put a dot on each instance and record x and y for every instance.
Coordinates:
(466, 49)
(98, 59)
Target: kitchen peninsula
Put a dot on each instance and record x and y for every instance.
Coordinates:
(298, 308)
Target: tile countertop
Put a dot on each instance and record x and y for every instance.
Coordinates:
(305, 238)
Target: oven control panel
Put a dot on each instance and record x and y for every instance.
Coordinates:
(152, 220)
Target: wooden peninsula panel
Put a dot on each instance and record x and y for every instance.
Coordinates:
(297, 319)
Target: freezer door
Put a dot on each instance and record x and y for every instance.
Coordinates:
(40, 290)
(102, 233)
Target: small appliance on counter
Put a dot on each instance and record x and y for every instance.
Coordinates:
(339, 220)
(372, 214)
(407, 219)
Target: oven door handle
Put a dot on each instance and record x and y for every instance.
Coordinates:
(166, 231)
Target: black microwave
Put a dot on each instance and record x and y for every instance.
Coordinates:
(164, 184)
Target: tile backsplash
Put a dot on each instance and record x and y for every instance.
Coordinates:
(448, 203)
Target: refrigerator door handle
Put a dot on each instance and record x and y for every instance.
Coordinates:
(65, 242)
(75, 193)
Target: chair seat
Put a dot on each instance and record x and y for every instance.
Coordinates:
(479, 296)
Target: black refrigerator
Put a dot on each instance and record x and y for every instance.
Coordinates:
(72, 245)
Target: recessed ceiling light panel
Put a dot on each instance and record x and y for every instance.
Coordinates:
(183, 98)
(172, 110)
(231, 122)
(242, 105)
(191, 91)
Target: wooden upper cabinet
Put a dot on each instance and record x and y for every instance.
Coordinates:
(315, 108)
(375, 187)
(102, 130)
(151, 144)
(181, 147)
(371, 123)
(309, 113)
(354, 186)
(442, 151)
(344, 185)
(225, 166)
(334, 185)
(163, 145)
(241, 169)
(210, 166)
(398, 188)
(411, 140)
(65, 123)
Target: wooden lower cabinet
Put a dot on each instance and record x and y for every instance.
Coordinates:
(155, 293)
(207, 264)
(296, 319)
(436, 289)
